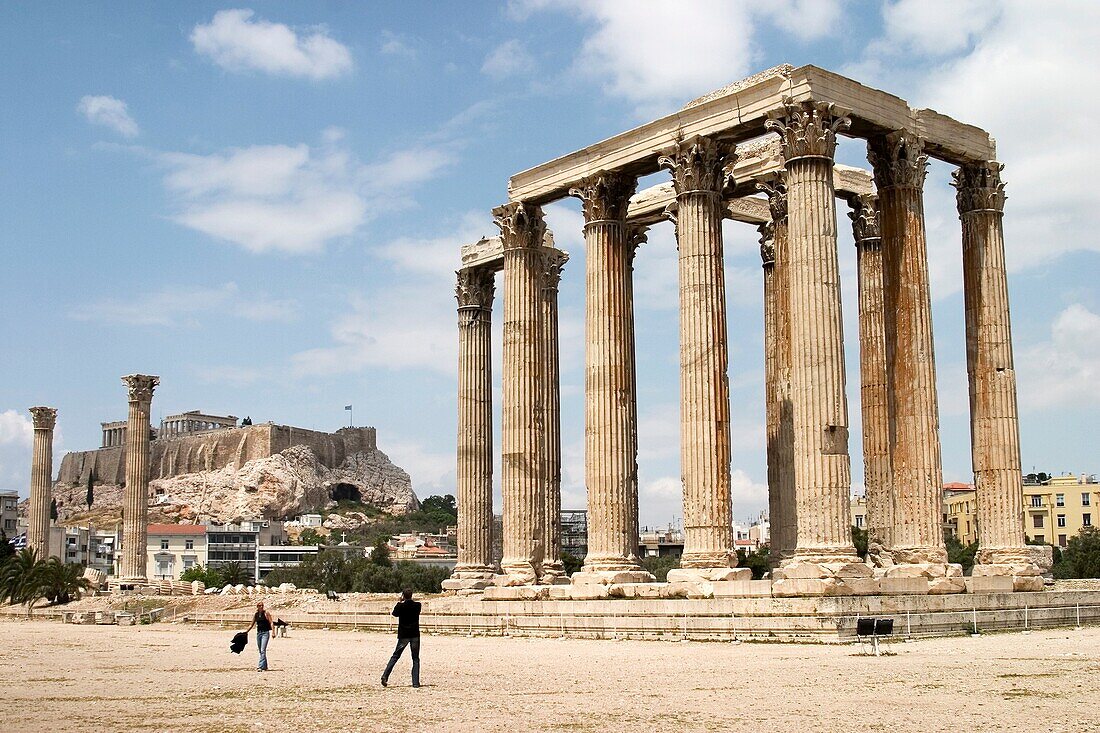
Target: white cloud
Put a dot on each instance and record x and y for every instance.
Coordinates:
(437, 257)
(294, 199)
(186, 306)
(660, 55)
(508, 59)
(749, 497)
(109, 112)
(432, 473)
(1064, 371)
(16, 439)
(936, 27)
(395, 45)
(237, 42)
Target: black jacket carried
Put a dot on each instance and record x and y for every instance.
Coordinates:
(240, 641)
(408, 619)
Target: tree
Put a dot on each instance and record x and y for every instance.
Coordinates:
(233, 574)
(659, 566)
(1081, 558)
(89, 497)
(380, 554)
(859, 539)
(61, 581)
(310, 536)
(756, 561)
(571, 563)
(53, 509)
(21, 577)
(959, 553)
(210, 577)
(6, 550)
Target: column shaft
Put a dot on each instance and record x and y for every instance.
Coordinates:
(38, 511)
(994, 421)
(872, 371)
(553, 262)
(136, 497)
(610, 465)
(475, 424)
(522, 425)
(916, 472)
(820, 410)
(698, 170)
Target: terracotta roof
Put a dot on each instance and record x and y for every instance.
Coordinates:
(958, 485)
(195, 529)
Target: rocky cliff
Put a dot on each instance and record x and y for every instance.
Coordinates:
(282, 485)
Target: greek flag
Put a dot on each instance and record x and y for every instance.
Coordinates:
(347, 407)
(18, 542)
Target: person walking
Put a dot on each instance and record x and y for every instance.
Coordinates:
(262, 621)
(407, 612)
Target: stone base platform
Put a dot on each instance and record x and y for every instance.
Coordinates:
(718, 618)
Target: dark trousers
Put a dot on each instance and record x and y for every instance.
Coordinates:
(414, 646)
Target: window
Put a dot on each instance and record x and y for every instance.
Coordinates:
(1061, 540)
(859, 520)
(968, 527)
(1086, 520)
(1038, 518)
(1086, 498)
(1040, 538)
(1036, 501)
(1060, 499)
(164, 544)
(1061, 520)
(189, 544)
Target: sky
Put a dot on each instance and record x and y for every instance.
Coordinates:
(264, 203)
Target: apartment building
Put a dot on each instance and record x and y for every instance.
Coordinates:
(174, 548)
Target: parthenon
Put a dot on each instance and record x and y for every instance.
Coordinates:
(760, 151)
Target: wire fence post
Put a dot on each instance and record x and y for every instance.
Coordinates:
(1078, 615)
(908, 626)
(1025, 617)
(975, 612)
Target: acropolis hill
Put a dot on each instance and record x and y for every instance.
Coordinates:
(208, 466)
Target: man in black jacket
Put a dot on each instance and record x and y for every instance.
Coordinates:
(407, 612)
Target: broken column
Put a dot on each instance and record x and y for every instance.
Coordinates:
(38, 510)
(994, 421)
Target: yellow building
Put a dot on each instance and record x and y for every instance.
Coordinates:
(1058, 508)
(960, 512)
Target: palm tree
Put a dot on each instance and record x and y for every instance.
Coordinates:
(233, 574)
(20, 577)
(61, 581)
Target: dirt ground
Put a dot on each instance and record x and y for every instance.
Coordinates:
(183, 678)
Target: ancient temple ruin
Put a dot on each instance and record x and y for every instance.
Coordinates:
(760, 151)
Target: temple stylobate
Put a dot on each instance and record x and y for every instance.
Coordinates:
(760, 151)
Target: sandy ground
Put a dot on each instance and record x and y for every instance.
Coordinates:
(183, 678)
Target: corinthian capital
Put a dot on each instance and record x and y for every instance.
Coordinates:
(43, 418)
(701, 164)
(898, 160)
(521, 225)
(775, 186)
(807, 128)
(553, 262)
(866, 220)
(980, 187)
(767, 242)
(140, 387)
(604, 195)
(475, 288)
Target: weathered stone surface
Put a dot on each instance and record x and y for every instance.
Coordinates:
(917, 570)
(989, 584)
(466, 583)
(788, 587)
(855, 586)
(939, 586)
(518, 593)
(707, 575)
(611, 577)
(1027, 583)
(638, 590)
(741, 588)
(902, 586)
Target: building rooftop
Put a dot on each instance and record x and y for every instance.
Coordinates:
(190, 529)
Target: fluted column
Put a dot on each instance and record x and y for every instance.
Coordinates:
(867, 233)
(553, 260)
(777, 372)
(522, 425)
(474, 292)
(822, 470)
(994, 421)
(136, 498)
(610, 455)
(698, 169)
(916, 477)
(38, 511)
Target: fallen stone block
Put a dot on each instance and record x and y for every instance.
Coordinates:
(637, 590)
(943, 586)
(855, 587)
(790, 587)
(742, 588)
(903, 586)
(989, 584)
(517, 593)
(1027, 583)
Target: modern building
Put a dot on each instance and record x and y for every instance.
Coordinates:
(660, 542)
(9, 512)
(424, 548)
(272, 557)
(240, 543)
(960, 512)
(1060, 507)
(174, 548)
(574, 532)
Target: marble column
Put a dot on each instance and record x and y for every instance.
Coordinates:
(38, 511)
(610, 455)
(994, 420)
(916, 476)
(522, 424)
(474, 292)
(807, 133)
(867, 233)
(553, 260)
(699, 172)
(777, 372)
(136, 496)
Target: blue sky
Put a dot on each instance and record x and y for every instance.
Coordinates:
(263, 204)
